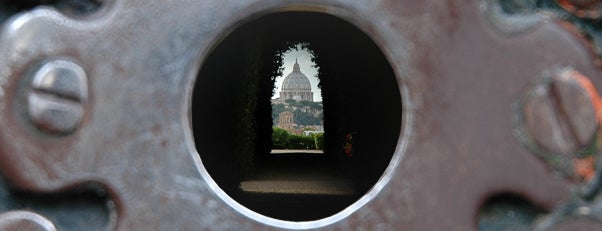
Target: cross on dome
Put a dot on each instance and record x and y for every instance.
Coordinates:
(296, 67)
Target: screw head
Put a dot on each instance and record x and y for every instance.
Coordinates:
(56, 101)
(561, 112)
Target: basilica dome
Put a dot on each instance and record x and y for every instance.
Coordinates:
(296, 81)
(296, 86)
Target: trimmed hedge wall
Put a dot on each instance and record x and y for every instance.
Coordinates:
(282, 139)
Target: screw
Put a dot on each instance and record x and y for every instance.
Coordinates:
(25, 220)
(59, 90)
(561, 112)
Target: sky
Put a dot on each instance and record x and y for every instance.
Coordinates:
(306, 65)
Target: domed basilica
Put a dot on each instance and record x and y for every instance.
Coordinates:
(296, 118)
(296, 86)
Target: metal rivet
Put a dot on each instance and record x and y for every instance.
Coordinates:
(59, 91)
(24, 220)
(561, 112)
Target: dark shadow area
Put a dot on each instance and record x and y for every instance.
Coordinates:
(505, 212)
(83, 208)
(232, 119)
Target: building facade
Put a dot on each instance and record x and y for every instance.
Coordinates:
(286, 120)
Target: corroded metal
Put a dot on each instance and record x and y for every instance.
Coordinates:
(590, 9)
(459, 65)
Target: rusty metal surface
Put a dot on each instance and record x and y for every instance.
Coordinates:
(460, 68)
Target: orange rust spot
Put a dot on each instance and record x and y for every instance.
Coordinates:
(568, 6)
(585, 167)
(592, 92)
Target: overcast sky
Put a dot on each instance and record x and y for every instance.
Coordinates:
(306, 65)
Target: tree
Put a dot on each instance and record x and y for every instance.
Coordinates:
(305, 118)
(290, 101)
(276, 110)
(304, 103)
(315, 105)
(280, 138)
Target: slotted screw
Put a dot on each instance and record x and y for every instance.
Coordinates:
(56, 101)
(561, 112)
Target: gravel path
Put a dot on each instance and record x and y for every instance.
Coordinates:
(297, 173)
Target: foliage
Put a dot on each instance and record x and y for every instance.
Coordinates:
(301, 142)
(247, 109)
(276, 110)
(306, 118)
(282, 139)
(303, 104)
(319, 140)
(279, 138)
(291, 102)
(303, 117)
(315, 105)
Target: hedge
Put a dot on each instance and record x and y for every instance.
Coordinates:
(282, 139)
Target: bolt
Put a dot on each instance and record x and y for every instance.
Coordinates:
(59, 90)
(25, 220)
(561, 112)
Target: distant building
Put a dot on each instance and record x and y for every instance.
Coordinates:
(296, 86)
(286, 121)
